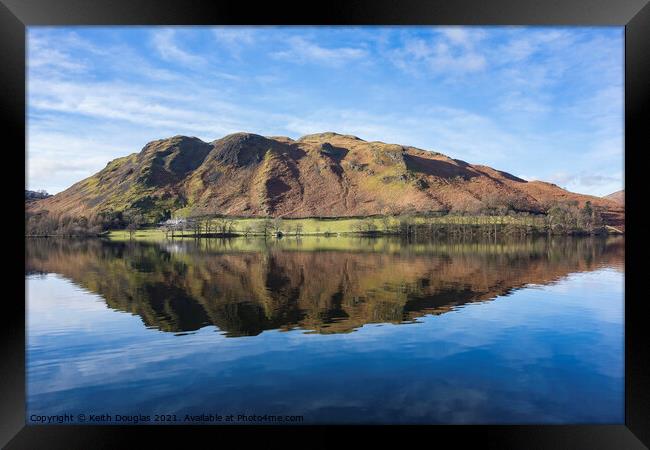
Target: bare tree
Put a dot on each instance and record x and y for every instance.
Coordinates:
(265, 226)
(365, 226)
(195, 226)
(230, 226)
(133, 222)
(277, 226)
(406, 224)
(385, 222)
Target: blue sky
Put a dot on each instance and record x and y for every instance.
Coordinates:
(539, 102)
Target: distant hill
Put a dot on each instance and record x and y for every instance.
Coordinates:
(618, 197)
(326, 174)
(35, 195)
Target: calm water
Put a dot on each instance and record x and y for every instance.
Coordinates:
(336, 330)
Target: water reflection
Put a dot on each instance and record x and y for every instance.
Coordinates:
(323, 285)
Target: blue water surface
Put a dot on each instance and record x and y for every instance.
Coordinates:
(550, 354)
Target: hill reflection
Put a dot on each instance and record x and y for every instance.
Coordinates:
(322, 285)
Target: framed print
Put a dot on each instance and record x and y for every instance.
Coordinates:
(263, 223)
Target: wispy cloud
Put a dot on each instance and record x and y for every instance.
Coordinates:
(455, 132)
(166, 44)
(448, 51)
(598, 184)
(135, 103)
(235, 39)
(518, 102)
(302, 50)
(44, 56)
(234, 36)
(56, 158)
(525, 43)
(466, 37)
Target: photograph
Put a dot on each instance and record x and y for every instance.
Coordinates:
(325, 225)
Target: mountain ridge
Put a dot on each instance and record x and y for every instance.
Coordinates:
(317, 175)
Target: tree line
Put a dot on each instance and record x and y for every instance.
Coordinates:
(495, 216)
(46, 223)
(555, 218)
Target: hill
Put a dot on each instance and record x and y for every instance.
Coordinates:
(618, 197)
(318, 175)
(35, 195)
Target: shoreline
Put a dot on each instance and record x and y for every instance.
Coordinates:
(226, 227)
(121, 234)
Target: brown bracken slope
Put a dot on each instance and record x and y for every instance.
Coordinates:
(324, 174)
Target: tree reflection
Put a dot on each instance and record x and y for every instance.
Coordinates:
(245, 286)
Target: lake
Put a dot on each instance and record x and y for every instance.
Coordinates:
(326, 330)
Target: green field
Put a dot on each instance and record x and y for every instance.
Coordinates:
(344, 226)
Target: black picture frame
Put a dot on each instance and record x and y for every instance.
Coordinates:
(16, 15)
